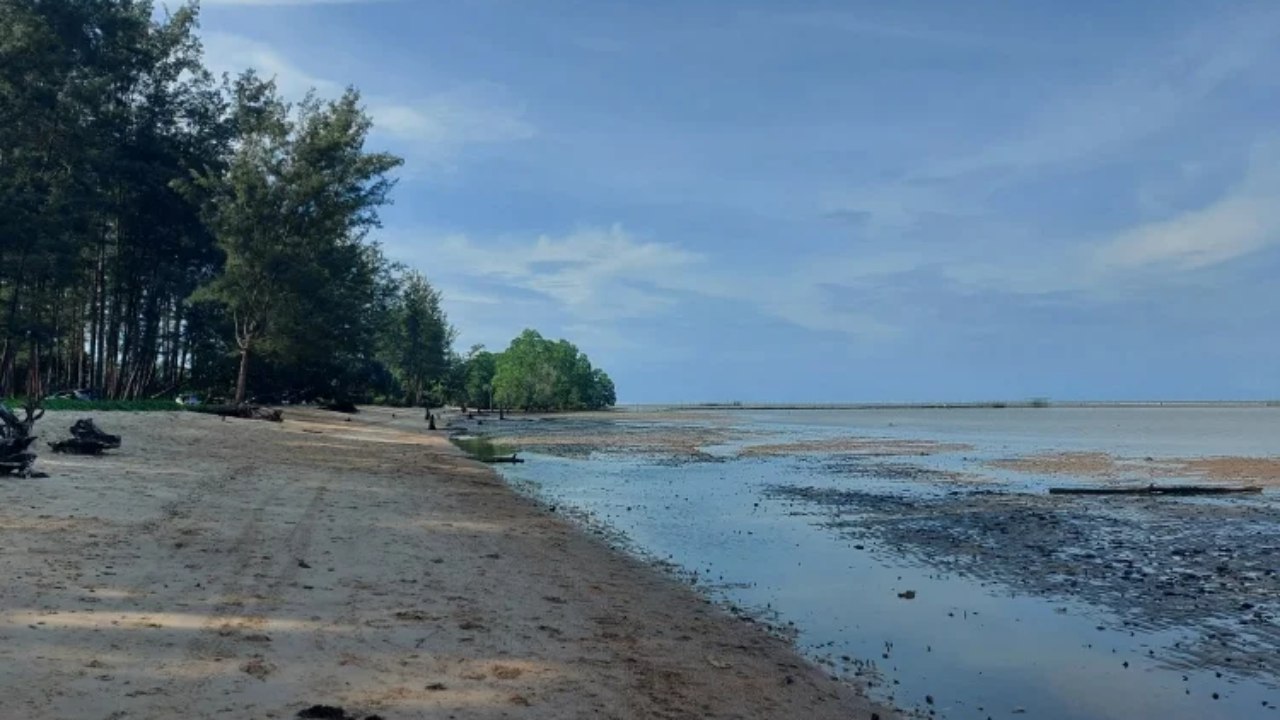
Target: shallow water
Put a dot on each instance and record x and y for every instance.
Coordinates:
(969, 643)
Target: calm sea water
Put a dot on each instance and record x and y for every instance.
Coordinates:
(963, 647)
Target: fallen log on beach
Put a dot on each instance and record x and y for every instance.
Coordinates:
(1157, 490)
(86, 439)
(502, 459)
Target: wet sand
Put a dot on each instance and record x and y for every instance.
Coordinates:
(1262, 471)
(856, 446)
(245, 569)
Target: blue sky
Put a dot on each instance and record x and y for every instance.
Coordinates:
(827, 201)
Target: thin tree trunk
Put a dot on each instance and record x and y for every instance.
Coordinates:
(243, 379)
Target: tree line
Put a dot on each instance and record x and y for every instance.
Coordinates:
(166, 230)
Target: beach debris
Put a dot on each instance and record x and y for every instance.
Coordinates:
(719, 664)
(331, 712)
(16, 438)
(502, 459)
(86, 439)
(258, 667)
(507, 672)
(1154, 489)
(245, 411)
(907, 595)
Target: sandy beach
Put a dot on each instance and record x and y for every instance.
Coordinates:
(245, 569)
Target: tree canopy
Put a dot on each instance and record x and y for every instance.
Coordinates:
(164, 230)
(534, 373)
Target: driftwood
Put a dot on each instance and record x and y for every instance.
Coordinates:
(245, 411)
(16, 439)
(86, 439)
(1157, 490)
(502, 459)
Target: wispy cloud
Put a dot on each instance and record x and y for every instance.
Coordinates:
(1082, 126)
(431, 129)
(861, 25)
(1160, 86)
(1245, 219)
(606, 276)
(593, 273)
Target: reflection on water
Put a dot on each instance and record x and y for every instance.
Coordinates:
(979, 646)
(481, 448)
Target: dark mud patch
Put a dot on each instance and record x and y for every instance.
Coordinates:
(873, 468)
(1206, 568)
(330, 712)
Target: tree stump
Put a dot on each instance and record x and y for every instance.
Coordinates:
(16, 438)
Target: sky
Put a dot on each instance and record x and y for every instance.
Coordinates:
(826, 201)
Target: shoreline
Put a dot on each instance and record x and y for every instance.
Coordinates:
(247, 569)
(960, 522)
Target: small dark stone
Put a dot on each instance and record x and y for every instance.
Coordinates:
(323, 712)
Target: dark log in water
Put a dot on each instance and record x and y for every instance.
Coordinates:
(502, 459)
(1157, 490)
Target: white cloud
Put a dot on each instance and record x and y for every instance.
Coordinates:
(1243, 221)
(430, 129)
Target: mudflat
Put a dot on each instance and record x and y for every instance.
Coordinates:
(245, 569)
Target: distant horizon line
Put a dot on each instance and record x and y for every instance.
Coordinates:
(1035, 403)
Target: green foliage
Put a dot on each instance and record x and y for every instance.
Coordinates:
(479, 370)
(102, 109)
(534, 373)
(290, 215)
(418, 339)
(101, 405)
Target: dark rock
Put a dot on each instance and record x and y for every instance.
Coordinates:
(323, 712)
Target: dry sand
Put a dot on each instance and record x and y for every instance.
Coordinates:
(243, 569)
